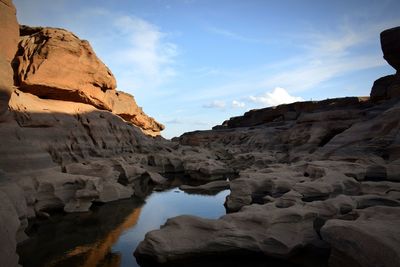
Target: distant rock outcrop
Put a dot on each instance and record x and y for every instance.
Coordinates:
(318, 183)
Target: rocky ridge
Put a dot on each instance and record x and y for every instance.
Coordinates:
(318, 183)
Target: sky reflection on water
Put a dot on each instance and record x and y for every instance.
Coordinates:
(108, 235)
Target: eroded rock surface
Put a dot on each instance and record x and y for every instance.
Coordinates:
(53, 63)
(8, 46)
(56, 64)
(309, 176)
(312, 176)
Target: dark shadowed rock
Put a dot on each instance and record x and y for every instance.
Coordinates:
(390, 42)
(371, 240)
(208, 188)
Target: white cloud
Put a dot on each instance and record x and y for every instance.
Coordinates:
(215, 104)
(238, 104)
(148, 56)
(275, 97)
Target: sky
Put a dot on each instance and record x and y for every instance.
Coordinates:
(191, 64)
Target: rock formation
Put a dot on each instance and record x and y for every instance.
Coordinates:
(68, 137)
(55, 64)
(309, 181)
(318, 183)
(8, 46)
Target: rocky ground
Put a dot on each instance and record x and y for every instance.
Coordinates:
(312, 183)
(318, 183)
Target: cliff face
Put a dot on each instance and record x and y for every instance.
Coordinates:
(8, 46)
(55, 64)
(68, 137)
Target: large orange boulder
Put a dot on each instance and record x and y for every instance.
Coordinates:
(8, 46)
(54, 63)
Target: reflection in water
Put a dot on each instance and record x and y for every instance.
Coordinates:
(98, 252)
(109, 234)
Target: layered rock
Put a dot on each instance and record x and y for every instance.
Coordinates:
(370, 240)
(124, 105)
(53, 63)
(8, 47)
(304, 178)
(312, 176)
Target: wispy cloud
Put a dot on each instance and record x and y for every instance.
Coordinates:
(150, 57)
(275, 97)
(218, 104)
(325, 56)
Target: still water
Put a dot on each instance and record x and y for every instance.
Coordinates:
(108, 235)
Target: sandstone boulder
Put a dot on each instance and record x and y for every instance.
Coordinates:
(54, 63)
(8, 46)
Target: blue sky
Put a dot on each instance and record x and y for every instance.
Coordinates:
(192, 64)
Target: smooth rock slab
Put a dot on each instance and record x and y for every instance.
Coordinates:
(208, 188)
(263, 229)
(372, 240)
